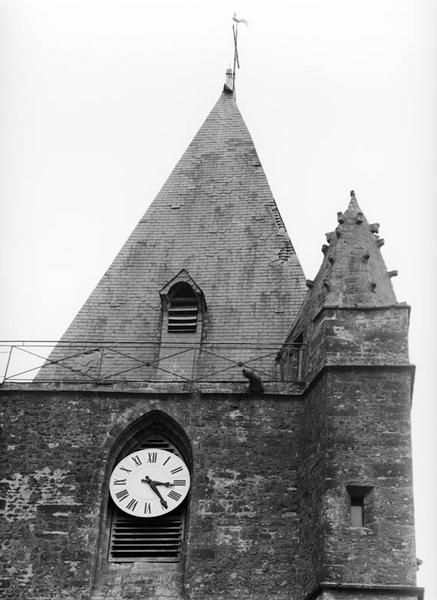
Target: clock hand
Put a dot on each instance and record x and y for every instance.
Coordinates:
(167, 483)
(155, 489)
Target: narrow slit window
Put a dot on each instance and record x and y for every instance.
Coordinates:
(183, 309)
(360, 508)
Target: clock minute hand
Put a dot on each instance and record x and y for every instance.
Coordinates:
(166, 483)
(155, 489)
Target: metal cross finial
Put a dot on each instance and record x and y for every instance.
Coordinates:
(235, 32)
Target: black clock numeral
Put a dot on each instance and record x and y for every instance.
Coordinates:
(176, 470)
(147, 508)
(137, 460)
(124, 469)
(174, 495)
(166, 461)
(179, 482)
(132, 504)
(122, 494)
(119, 481)
(152, 456)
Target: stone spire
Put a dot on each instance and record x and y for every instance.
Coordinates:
(353, 272)
(215, 218)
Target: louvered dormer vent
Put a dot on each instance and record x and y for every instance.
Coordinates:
(183, 310)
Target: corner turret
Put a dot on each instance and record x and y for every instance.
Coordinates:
(350, 314)
(355, 458)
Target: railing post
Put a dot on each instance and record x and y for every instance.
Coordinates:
(194, 365)
(99, 371)
(5, 374)
(300, 364)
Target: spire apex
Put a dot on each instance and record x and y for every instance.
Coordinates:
(228, 88)
(353, 204)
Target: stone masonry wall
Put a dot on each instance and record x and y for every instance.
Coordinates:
(357, 433)
(269, 509)
(243, 520)
(357, 336)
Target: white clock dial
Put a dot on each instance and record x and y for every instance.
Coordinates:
(149, 483)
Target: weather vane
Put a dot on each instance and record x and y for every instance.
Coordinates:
(235, 32)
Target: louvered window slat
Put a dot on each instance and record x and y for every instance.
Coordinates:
(186, 322)
(183, 311)
(157, 443)
(147, 540)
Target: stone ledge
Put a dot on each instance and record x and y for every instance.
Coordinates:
(161, 388)
(401, 591)
(359, 366)
(358, 307)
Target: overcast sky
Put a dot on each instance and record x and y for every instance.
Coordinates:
(99, 99)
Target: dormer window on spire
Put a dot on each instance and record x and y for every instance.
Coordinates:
(183, 318)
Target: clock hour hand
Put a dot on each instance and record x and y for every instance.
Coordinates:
(155, 489)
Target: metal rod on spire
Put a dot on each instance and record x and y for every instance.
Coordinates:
(236, 61)
(235, 32)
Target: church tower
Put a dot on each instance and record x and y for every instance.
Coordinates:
(211, 425)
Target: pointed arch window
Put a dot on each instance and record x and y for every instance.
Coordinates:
(154, 540)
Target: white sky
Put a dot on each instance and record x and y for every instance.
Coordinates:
(101, 97)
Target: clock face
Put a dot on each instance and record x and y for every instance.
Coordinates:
(149, 483)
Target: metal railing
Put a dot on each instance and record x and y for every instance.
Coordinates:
(148, 361)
